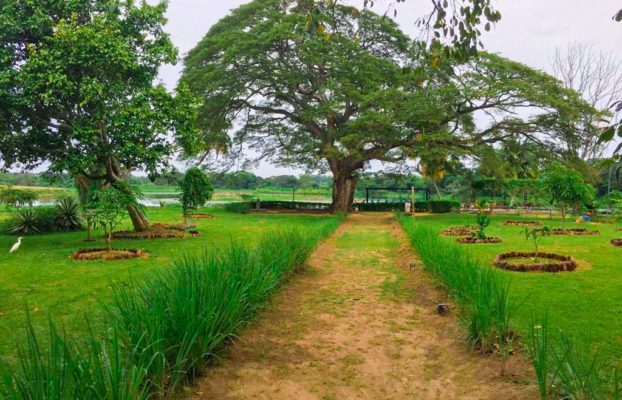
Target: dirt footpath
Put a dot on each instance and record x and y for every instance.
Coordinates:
(360, 323)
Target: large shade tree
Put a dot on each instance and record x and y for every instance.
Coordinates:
(78, 94)
(353, 88)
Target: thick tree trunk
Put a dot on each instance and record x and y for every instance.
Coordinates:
(139, 219)
(344, 183)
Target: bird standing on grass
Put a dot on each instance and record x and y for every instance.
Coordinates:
(16, 245)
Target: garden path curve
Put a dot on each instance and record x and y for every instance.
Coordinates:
(360, 323)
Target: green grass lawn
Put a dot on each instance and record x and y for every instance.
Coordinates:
(42, 275)
(586, 303)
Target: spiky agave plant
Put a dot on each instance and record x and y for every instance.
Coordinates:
(25, 221)
(67, 216)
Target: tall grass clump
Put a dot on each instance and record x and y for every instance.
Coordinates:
(163, 332)
(480, 292)
(96, 367)
(569, 368)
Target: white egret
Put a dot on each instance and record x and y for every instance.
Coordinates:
(16, 245)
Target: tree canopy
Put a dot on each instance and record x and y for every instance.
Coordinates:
(356, 89)
(77, 82)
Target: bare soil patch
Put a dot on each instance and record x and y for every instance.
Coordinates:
(617, 242)
(361, 323)
(107, 255)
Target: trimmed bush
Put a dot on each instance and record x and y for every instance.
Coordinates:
(443, 206)
(238, 207)
(422, 206)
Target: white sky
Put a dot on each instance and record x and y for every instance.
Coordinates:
(529, 31)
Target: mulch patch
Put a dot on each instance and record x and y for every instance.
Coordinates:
(475, 240)
(107, 255)
(557, 263)
(574, 231)
(200, 216)
(175, 227)
(152, 234)
(522, 223)
(459, 231)
(617, 242)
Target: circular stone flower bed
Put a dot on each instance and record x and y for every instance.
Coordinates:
(522, 223)
(475, 240)
(574, 231)
(530, 262)
(617, 242)
(107, 255)
(459, 231)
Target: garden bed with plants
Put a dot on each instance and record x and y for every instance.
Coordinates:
(107, 254)
(522, 223)
(532, 262)
(202, 216)
(465, 230)
(153, 234)
(574, 231)
(476, 240)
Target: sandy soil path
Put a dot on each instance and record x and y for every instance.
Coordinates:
(360, 323)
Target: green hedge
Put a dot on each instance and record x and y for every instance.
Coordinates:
(443, 206)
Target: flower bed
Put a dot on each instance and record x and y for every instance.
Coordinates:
(551, 263)
(475, 240)
(107, 255)
(522, 223)
(459, 231)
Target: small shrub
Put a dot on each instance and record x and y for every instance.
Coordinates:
(482, 221)
(238, 207)
(68, 214)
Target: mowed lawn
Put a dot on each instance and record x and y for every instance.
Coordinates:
(42, 277)
(586, 303)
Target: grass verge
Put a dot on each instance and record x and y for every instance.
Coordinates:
(161, 333)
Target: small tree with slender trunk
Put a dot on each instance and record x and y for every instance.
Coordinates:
(108, 209)
(196, 190)
(566, 189)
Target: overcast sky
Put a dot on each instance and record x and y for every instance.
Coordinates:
(529, 31)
